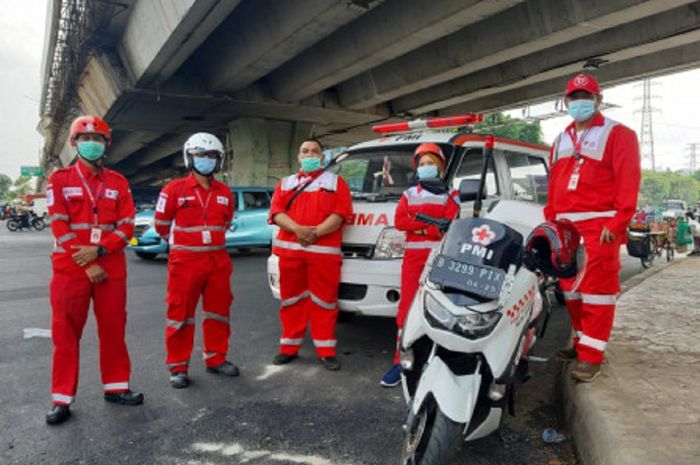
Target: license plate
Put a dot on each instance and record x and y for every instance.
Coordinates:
(485, 281)
(134, 241)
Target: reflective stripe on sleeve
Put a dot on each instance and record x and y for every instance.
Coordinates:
(326, 343)
(122, 235)
(58, 249)
(291, 342)
(312, 248)
(599, 299)
(58, 216)
(215, 316)
(323, 303)
(295, 299)
(66, 237)
(592, 342)
(116, 386)
(421, 245)
(572, 295)
(583, 216)
(162, 222)
(127, 220)
(62, 398)
(198, 248)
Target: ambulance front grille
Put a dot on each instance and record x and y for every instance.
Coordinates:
(357, 250)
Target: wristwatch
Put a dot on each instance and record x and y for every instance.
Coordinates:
(101, 251)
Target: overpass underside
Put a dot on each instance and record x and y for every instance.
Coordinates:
(263, 74)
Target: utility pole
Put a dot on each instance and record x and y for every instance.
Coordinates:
(694, 151)
(646, 134)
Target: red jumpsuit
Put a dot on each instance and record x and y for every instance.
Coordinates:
(310, 276)
(596, 189)
(418, 246)
(89, 208)
(194, 220)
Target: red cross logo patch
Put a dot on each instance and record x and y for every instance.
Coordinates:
(581, 80)
(90, 127)
(483, 235)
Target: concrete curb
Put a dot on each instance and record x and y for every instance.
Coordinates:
(593, 440)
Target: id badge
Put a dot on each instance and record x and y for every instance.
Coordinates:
(206, 237)
(95, 235)
(573, 181)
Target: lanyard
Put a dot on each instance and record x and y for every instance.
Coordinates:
(577, 141)
(93, 195)
(204, 204)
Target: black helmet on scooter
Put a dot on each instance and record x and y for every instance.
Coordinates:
(555, 248)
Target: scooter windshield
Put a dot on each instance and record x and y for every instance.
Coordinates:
(475, 256)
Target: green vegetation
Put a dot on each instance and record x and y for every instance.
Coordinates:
(657, 187)
(501, 125)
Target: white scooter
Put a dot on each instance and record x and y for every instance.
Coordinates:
(476, 315)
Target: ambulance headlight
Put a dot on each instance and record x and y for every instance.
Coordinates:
(390, 244)
(473, 325)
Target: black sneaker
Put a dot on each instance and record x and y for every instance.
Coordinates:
(58, 414)
(179, 379)
(283, 359)
(331, 363)
(225, 369)
(567, 354)
(125, 398)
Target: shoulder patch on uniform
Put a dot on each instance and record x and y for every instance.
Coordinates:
(111, 194)
(222, 200)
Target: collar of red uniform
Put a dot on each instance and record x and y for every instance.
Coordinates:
(598, 120)
(87, 172)
(191, 181)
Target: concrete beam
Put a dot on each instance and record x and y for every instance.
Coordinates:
(101, 84)
(524, 29)
(263, 34)
(636, 68)
(645, 36)
(162, 34)
(391, 30)
(158, 150)
(125, 143)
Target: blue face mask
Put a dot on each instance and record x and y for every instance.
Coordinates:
(310, 164)
(582, 109)
(204, 165)
(91, 150)
(427, 171)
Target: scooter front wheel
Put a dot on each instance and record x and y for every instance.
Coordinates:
(38, 224)
(433, 439)
(12, 225)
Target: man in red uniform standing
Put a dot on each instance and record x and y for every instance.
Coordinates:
(92, 220)
(594, 182)
(193, 213)
(310, 208)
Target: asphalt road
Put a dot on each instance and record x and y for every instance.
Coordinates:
(297, 414)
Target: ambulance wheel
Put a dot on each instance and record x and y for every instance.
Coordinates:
(146, 255)
(345, 317)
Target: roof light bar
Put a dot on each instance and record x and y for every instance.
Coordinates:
(436, 122)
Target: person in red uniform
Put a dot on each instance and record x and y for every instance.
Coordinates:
(92, 220)
(594, 181)
(420, 238)
(193, 213)
(310, 208)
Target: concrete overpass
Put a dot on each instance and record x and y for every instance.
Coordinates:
(264, 73)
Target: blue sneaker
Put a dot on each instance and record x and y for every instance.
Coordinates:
(392, 377)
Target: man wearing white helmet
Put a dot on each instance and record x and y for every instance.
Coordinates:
(193, 213)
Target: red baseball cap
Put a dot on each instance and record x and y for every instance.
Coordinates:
(584, 82)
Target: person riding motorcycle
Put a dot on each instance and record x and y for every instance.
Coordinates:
(432, 197)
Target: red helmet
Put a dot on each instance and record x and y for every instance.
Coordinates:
(90, 125)
(429, 147)
(555, 249)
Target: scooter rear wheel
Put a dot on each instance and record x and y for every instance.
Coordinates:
(433, 440)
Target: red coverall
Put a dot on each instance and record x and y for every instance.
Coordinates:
(604, 194)
(89, 208)
(194, 220)
(418, 246)
(310, 276)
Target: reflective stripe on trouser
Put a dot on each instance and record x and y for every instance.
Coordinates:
(209, 276)
(592, 305)
(309, 294)
(70, 302)
(411, 269)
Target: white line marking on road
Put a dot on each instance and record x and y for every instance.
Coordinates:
(28, 333)
(269, 371)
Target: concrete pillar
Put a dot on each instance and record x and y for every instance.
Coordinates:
(264, 150)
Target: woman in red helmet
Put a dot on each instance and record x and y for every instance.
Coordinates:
(431, 197)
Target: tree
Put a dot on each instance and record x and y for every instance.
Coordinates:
(501, 125)
(5, 183)
(657, 187)
(19, 188)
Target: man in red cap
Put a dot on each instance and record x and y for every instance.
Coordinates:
(594, 181)
(92, 220)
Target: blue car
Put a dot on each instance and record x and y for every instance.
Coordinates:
(249, 228)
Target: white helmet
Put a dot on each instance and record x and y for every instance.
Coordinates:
(202, 142)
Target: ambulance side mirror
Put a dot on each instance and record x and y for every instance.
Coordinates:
(468, 190)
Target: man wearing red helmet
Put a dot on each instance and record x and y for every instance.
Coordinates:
(430, 198)
(594, 181)
(92, 220)
(310, 208)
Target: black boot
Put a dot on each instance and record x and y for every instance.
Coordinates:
(283, 359)
(331, 363)
(179, 380)
(226, 369)
(58, 414)
(125, 398)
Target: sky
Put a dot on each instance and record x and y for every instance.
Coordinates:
(22, 27)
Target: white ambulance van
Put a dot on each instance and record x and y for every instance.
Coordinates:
(380, 170)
